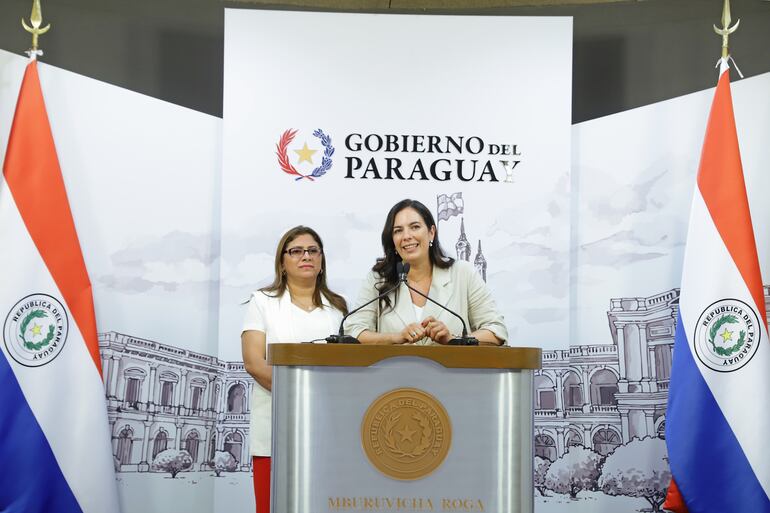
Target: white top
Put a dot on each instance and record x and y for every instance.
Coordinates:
(418, 312)
(281, 321)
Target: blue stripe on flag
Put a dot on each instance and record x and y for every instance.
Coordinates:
(707, 461)
(31, 481)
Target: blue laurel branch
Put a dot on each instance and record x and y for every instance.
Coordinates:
(326, 160)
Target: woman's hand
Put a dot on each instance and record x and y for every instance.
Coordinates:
(411, 334)
(436, 330)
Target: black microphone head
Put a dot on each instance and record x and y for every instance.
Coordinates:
(402, 269)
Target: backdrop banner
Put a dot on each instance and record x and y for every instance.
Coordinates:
(330, 119)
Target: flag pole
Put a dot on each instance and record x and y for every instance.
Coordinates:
(36, 20)
(726, 29)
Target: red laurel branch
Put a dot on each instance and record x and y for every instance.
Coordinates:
(283, 159)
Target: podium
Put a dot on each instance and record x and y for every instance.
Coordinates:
(359, 428)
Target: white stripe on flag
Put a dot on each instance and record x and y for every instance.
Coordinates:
(743, 395)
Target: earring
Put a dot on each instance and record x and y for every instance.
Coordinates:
(430, 244)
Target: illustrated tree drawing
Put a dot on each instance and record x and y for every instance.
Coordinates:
(638, 469)
(577, 469)
(173, 461)
(541, 468)
(223, 461)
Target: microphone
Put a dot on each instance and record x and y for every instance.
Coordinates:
(340, 337)
(403, 269)
(464, 339)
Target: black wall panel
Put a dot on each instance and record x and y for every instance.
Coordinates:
(626, 54)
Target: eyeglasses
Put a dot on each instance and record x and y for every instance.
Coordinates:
(297, 253)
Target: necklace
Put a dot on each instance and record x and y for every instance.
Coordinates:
(423, 285)
(306, 307)
(303, 298)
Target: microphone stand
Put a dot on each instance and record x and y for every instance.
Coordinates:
(340, 337)
(464, 339)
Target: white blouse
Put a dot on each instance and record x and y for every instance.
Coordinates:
(281, 321)
(418, 312)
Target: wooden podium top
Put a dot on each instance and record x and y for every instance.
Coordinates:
(355, 355)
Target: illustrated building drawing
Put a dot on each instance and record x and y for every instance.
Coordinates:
(596, 395)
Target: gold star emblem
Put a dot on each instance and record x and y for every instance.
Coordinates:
(406, 433)
(36, 329)
(305, 154)
(727, 335)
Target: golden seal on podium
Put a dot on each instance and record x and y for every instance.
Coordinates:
(406, 434)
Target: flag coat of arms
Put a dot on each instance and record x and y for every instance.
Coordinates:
(54, 432)
(718, 421)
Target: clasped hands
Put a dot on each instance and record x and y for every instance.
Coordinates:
(430, 328)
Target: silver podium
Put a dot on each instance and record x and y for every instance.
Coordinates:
(402, 428)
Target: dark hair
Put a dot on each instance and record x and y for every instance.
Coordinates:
(279, 284)
(386, 266)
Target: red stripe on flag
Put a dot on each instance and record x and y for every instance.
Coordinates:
(720, 181)
(674, 500)
(34, 179)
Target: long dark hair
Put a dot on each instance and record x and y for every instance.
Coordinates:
(279, 285)
(386, 266)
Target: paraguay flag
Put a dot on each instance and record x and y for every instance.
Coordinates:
(54, 434)
(718, 418)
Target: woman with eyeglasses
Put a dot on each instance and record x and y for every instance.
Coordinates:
(297, 307)
(410, 235)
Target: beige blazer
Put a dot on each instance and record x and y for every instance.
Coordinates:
(459, 288)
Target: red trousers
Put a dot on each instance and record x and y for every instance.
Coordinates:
(261, 465)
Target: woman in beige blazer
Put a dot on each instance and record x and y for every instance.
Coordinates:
(404, 317)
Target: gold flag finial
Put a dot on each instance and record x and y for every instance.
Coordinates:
(726, 29)
(36, 19)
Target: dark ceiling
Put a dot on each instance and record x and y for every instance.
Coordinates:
(626, 54)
